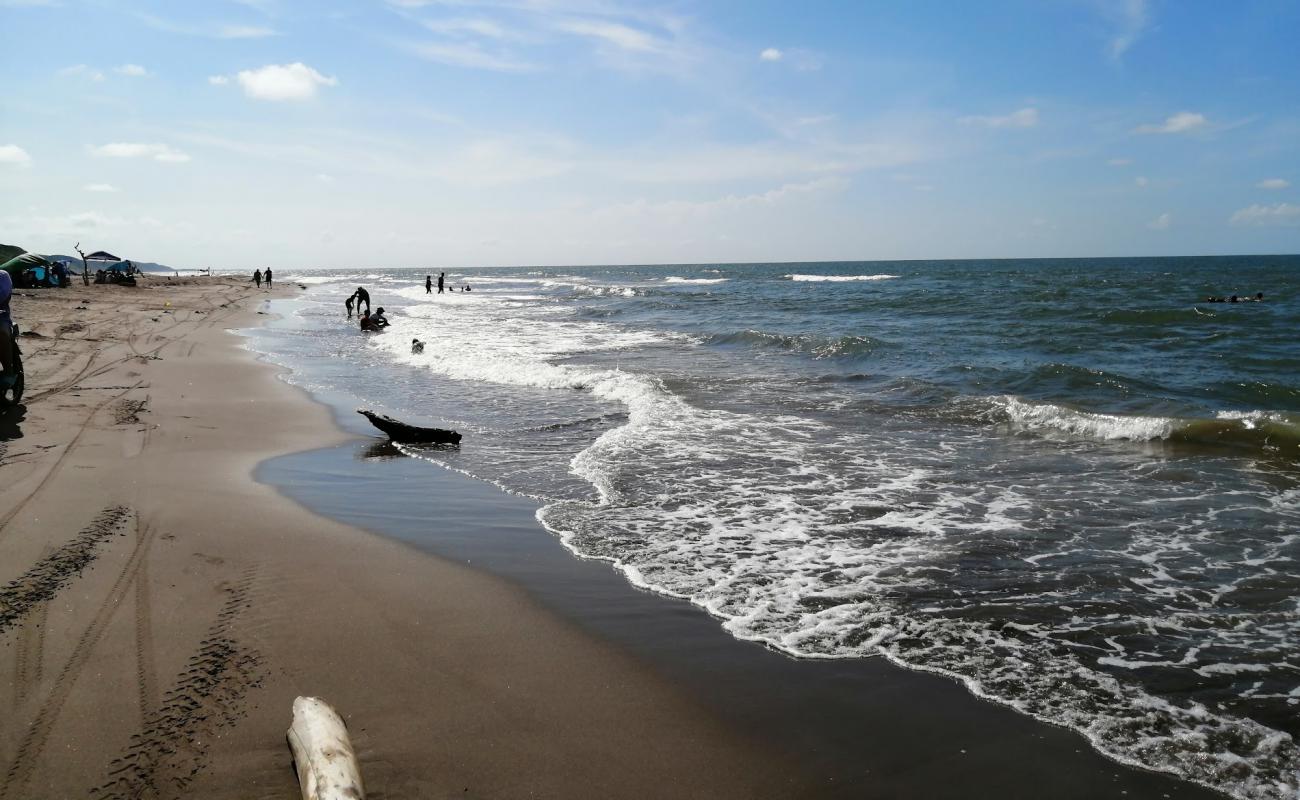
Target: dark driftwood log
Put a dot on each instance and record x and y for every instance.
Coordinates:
(401, 432)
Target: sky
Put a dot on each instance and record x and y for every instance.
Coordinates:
(452, 133)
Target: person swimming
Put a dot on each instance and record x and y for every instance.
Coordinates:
(417, 346)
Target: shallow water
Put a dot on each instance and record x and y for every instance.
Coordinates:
(1069, 484)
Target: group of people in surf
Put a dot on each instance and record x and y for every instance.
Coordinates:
(1258, 298)
(369, 322)
(377, 321)
(442, 283)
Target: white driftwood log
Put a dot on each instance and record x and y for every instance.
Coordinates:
(327, 767)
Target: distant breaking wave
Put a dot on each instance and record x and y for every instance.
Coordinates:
(1255, 430)
(675, 279)
(838, 278)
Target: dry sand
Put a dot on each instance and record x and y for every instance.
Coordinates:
(159, 609)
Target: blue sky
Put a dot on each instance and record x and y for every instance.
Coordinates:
(476, 132)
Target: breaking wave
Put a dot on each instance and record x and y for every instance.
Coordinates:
(839, 278)
(1250, 430)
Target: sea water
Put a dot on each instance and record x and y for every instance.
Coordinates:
(1073, 485)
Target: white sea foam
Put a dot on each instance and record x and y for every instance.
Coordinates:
(700, 281)
(1084, 424)
(840, 278)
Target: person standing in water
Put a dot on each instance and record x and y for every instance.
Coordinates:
(257, 278)
(441, 276)
(362, 296)
(428, 284)
(348, 303)
(267, 275)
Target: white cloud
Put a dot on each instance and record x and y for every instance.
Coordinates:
(1120, 162)
(771, 54)
(276, 82)
(82, 71)
(99, 187)
(131, 70)
(14, 156)
(1131, 19)
(469, 26)
(1182, 122)
(245, 32)
(158, 152)
(218, 80)
(719, 163)
(211, 31)
(1273, 183)
(1024, 118)
(622, 36)
(1285, 215)
(470, 56)
(1162, 222)
(1141, 181)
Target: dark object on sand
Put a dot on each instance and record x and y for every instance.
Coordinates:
(15, 389)
(401, 432)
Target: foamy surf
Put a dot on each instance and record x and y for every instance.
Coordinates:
(840, 278)
(696, 281)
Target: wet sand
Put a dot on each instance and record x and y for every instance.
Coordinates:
(160, 609)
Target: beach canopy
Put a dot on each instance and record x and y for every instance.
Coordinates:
(17, 264)
(102, 255)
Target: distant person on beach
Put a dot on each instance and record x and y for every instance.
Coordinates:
(362, 296)
(378, 318)
(348, 303)
(257, 278)
(267, 275)
(367, 323)
(417, 346)
(441, 276)
(428, 284)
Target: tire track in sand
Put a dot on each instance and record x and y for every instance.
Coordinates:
(171, 749)
(58, 462)
(146, 672)
(38, 733)
(44, 580)
(29, 652)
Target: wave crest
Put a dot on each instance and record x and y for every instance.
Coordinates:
(1251, 430)
(840, 278)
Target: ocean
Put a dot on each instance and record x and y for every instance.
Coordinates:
(1072, 485)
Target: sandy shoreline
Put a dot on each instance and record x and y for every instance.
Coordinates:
(159, 609)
